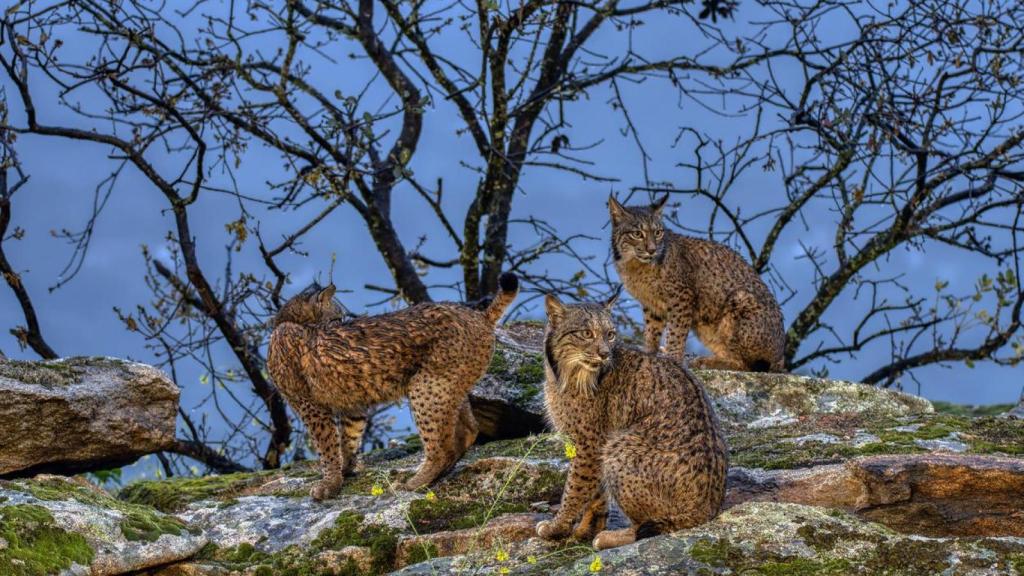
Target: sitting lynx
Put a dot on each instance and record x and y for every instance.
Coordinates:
(643, 427)
(685, 283)
(432, 353)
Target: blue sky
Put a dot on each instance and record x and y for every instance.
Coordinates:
(78, 319)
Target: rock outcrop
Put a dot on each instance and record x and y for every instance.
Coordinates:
(827, 478)
(53, 525)
(78, 414)
(509, 401)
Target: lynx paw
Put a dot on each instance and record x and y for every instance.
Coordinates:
(325, 488)
(552, 529)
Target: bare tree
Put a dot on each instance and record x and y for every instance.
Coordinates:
(883, 125)
(910, 132)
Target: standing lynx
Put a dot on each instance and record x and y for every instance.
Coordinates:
(643, 427)
(432, 353)
(684, 282)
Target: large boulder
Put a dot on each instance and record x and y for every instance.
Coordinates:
(509, 401)
(77, 414)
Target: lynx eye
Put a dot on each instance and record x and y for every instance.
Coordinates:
(659, 233)
(611, 335)
(635, 234)
(587, 333)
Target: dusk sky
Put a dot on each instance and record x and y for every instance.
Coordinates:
(78, 319)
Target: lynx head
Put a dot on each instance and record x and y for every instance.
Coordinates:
(579, 340)
(637, 231)
(313, 305)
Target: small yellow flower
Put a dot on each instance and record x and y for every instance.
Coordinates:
(503, 570)
(502, 556)
(570, 450)
(377, 490)
(531, 559)
(596, 565)
(431, 497)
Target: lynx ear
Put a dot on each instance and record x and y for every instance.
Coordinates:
(617, 211)
(554, 307)
(326, 294)
(660, 203)
(610, 302)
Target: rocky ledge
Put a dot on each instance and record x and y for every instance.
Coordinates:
(827, 478)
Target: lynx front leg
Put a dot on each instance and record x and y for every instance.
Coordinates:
(436, 413)
(320, 423)
(351, 428)
(581, 489)
(675, 340)
(594, 520)
(654, 325)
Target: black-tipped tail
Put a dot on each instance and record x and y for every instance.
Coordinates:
(509, 287)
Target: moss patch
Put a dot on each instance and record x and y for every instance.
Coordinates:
(35, 545)
(971, 410)
(49, 374)
(775, 448)
(348, 530)
(139, 522)
(175, 494)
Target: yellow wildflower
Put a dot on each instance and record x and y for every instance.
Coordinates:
(596, 565)
(431, 496)
(377, 490)
(502, 556)
(570, 450)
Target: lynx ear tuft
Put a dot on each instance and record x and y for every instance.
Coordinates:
(554, 307)
(660, 203)
(327, 293)
(617, 211)
(610, 302)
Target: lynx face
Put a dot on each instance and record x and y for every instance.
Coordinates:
(580, 340)
(637, 232)
(312, 306)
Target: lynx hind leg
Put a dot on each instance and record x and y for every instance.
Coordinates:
(350, 431)
(323, 430)
(634, 476)
(466, 430)
(751, 335)
(436, 411)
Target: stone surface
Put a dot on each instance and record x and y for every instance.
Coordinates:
(927, 494)
(772, 538)
(54, 524)
(509, 401)
(78, 414)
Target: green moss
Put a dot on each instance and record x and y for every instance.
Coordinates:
(773, 448)
(538, 447)
(445, 514)
(716, 553)
(970, 410)
(175, 494)
(43, 373)
(150, 527)
(499, 364)
(422, 553)
(35, 545)
(349, 530)
(139, 522)
(1016, 562)
(723, 554)
(802, 567)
